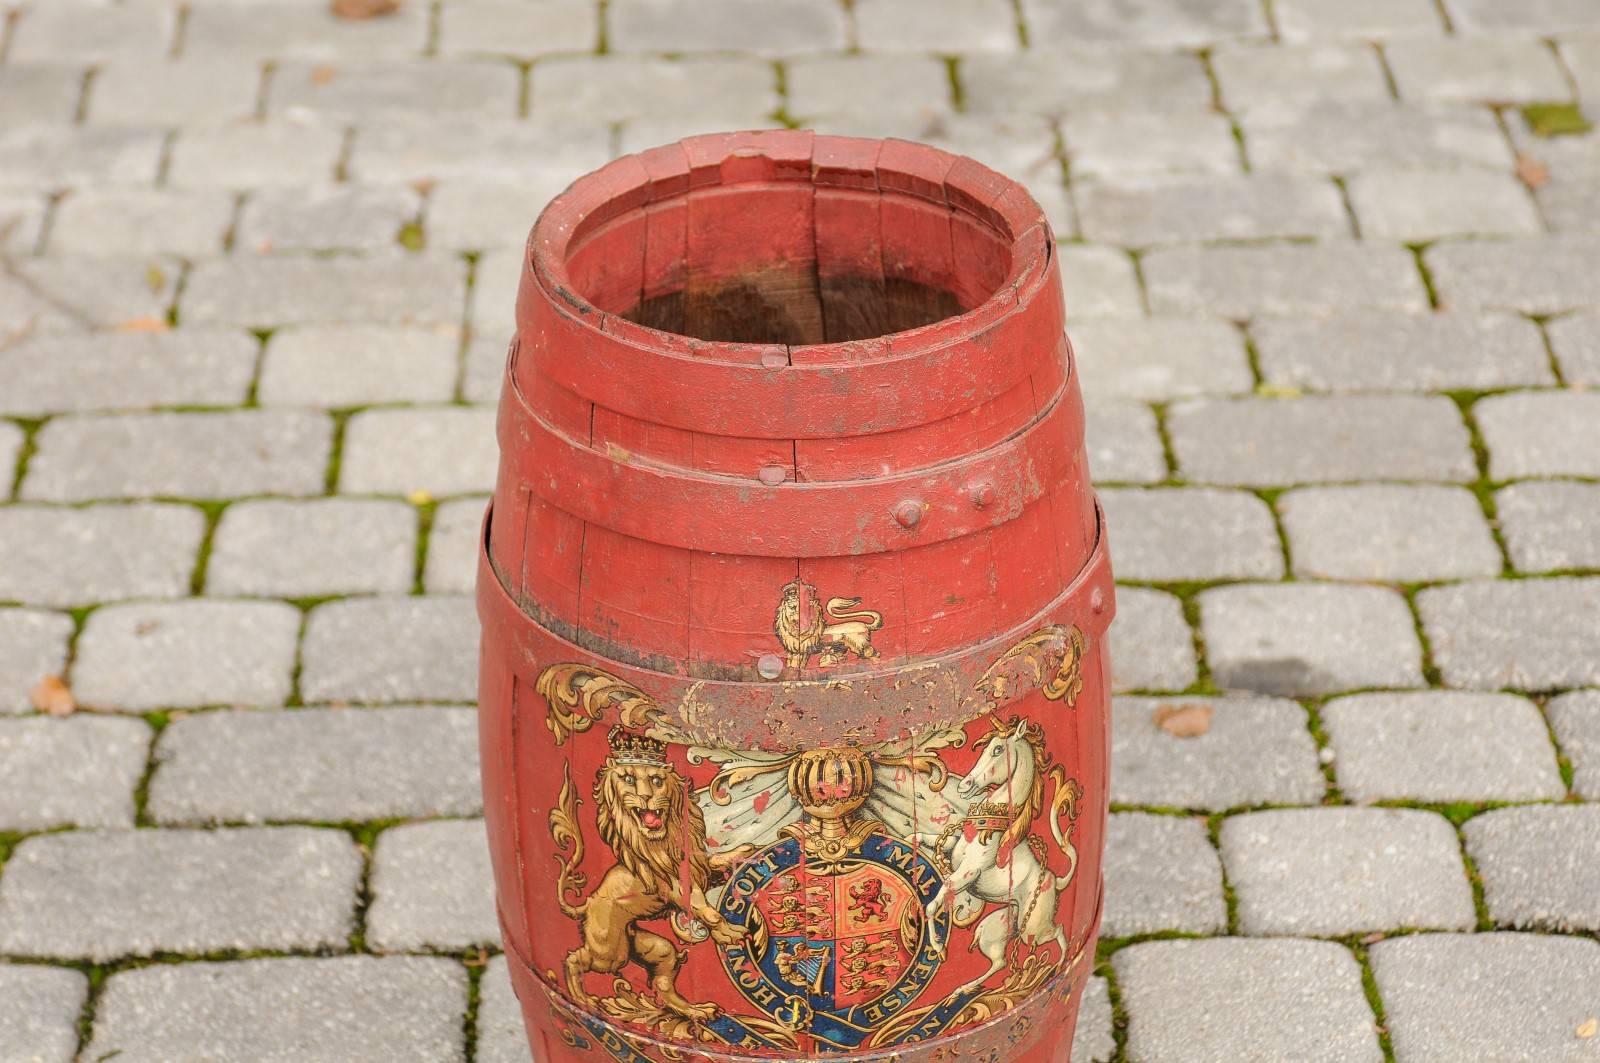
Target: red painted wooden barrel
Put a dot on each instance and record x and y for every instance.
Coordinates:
(794, 597)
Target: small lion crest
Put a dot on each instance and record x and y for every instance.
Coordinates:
(833, 635)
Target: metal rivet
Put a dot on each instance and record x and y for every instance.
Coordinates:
(774, 360)
(770, 666)
(982, 494)
(909, 513)
(1097, 600)
(772, 475)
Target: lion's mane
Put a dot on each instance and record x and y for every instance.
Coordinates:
(795, 640)
(655, 864)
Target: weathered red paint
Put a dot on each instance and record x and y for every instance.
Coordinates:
(793, 699)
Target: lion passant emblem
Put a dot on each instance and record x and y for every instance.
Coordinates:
(831, 635)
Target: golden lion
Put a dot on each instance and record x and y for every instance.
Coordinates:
(644, 813)
(835, 634)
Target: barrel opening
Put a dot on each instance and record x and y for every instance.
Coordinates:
(789, 262)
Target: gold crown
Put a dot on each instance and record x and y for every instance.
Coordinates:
(629, 748)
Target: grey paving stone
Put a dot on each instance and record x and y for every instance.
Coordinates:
(1377, 350)
(391, 649)
(71, 294)
(294, 151)
(1403, 533)
(11, 438)
(615, 88)
(1256, 751)
(1309, 639)
(1264, 442)
(432, 888)
(39, 1008)
(1092, 1039)
(1535, 634)
(453, 542)
(484, 369)
(81, 30)
(494, 294)
(1120, 143)
(1441, 747)
(103, 895)
(1334, 872)
(40, 92)
(143, 656)
(35, 156)
(444, 450)
(302, 29)
(313, 548)
(331, 366)
(1150, 642)
(1449, 997)
(1582, 56)
(67, 556)
(1161, 874)
(186, 455)
(1156, 211)
(1417, 206)
(1099, 282)
(1188, 534)
(523, 30)
(1159, 358)
(1158, 23)
(1551, 433)
(1538, 865)
(400, 1008)
(540, 154)
(396, 289)
(197, 89)
(79, 771)
(1367, 20)
(501, 1037)
(1338, 137)
(1533, 276)
(1574, 156)
(357, 91)
(1057, 80)
(1242, 1001)
(141, 221)
(915, 26)
(1570, 205)
(1240, 282)
(1575, 719)
(1254, 74)
(357, 218)
(33, 644)
(1530, 16)
(1123, 443)
(472, 214)
(320, 765)
(1550, 526)
(832, 87)
(67, 373)
(783, 26)
(1476, 69)
(21, 222)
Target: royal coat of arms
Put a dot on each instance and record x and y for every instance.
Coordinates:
(832, 885)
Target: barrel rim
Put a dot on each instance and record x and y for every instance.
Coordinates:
(892, 165)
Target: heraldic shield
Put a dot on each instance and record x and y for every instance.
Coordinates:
(794, 595)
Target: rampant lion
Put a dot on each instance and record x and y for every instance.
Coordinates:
(835, 634)
(646, 816)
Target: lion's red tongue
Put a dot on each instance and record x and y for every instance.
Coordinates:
(650, 819)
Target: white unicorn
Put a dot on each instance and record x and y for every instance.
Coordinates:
(989, 853)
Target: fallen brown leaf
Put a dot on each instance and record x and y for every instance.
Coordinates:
(363, 9)
(1588, 1028)
(52, 696)
(1189, 720)
(144, 324)
(1531, 172)
(321, 75)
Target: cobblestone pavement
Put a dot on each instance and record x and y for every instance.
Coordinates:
(1333, 269)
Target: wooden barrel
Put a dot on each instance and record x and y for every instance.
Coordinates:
(794, 597)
